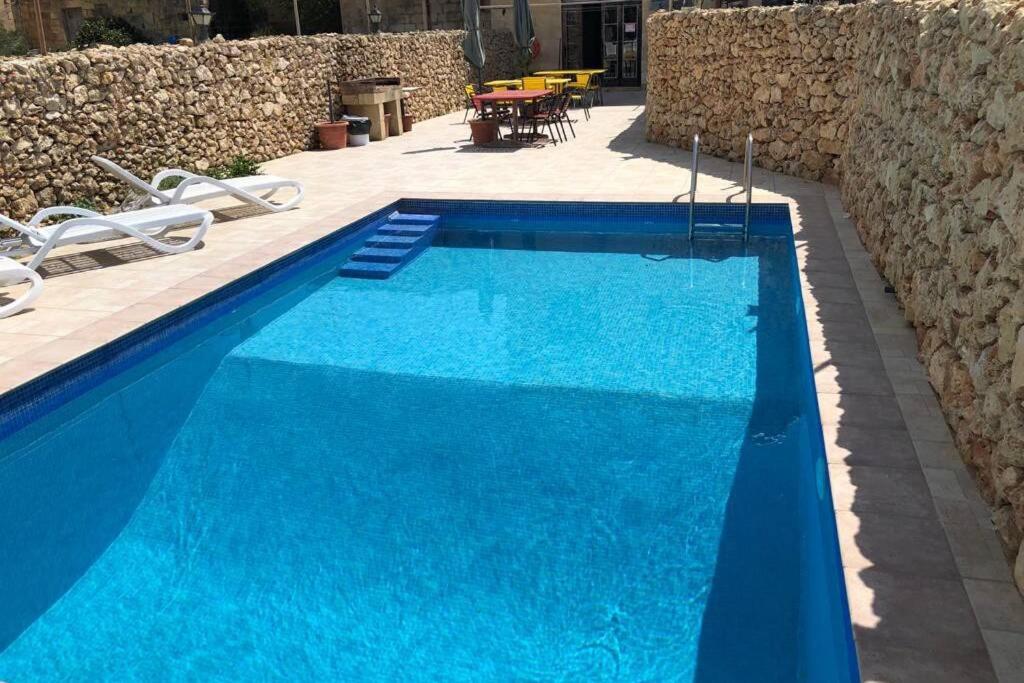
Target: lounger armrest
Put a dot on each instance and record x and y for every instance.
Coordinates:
(193, 179)
(49, 212)
(171, 173)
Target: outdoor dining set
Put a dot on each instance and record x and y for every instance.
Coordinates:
(532, 104)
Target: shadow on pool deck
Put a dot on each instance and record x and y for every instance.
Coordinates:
(913, 620)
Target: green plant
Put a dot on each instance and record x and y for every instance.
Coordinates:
(107, 31)
(238, 167)
(85, 203)
(12, 43)
(170, 183)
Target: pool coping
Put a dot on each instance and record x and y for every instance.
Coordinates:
(930, 594)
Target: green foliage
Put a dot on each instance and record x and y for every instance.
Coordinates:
(238, 167)
(12, 43)
(170, 183)
(85, 203)
(81, 203)
(107, 31)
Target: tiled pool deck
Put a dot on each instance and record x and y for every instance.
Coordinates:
(930, 593)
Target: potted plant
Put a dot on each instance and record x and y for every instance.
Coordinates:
(333, 134)
(485, 131)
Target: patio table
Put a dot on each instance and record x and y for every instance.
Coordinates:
(516, 98)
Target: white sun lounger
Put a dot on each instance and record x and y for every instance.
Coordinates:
(13, 273)
(90, 226)
(254, 189)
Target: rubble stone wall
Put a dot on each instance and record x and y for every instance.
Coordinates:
(782, 74)
(933, 176)
(150, 107)
(916, 107)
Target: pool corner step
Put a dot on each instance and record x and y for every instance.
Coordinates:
(395, 244)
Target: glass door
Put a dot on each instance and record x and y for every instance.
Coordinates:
(611, 20)
(630, 55)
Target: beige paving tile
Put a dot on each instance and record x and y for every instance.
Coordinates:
(915, 546)
(912, 612)
(1007, 652)
(997, 605)
(881, 490)
(14, 344)
(867, 446)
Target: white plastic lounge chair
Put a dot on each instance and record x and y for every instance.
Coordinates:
(254, 189)
(13, 273)
(90, 226)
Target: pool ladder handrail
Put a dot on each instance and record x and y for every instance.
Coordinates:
(748, 181)
(694, 163)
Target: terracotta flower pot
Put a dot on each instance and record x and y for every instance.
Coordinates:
(484, 131)
(333, 135)
(407, 121)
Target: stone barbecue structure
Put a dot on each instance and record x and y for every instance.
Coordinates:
(916, 109)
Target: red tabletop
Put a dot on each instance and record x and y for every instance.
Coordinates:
(510, 95)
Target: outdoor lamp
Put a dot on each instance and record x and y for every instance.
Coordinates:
(202, 16)
(375, 17)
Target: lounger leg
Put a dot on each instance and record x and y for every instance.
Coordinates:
(23, 301)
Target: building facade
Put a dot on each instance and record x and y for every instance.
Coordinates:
(7, 15)
(158, 20)
(572, 34)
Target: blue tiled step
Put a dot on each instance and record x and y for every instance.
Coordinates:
(413, 230)
(377, 255)
(369, 270)
(395, 244)
(394, 241)
(718, 230)
(413, 219)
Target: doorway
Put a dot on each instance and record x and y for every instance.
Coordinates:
(604, 36)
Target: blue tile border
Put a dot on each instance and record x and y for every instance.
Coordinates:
(36, 398)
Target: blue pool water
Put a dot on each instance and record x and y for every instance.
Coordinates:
(548, 450)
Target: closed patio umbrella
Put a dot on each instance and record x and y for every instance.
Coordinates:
(525, 35)
(473, 46)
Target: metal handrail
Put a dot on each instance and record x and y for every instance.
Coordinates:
(748, 182)
(694, 162)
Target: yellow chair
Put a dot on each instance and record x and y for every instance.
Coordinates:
(535, 83)
(581, 93)
(470, 105)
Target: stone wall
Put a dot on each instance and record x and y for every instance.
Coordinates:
(933, 176)
(783, 74)
(917, 107)
(150, 107)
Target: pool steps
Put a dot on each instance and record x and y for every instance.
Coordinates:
(395, 244)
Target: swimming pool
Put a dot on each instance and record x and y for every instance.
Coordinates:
(563, 443)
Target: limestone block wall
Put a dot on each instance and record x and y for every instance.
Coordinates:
(783, 74)
(155, 106)
(933, 176)
(916, 107)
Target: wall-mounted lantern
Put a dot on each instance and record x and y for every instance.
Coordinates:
(375, 16)
(203, 17)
